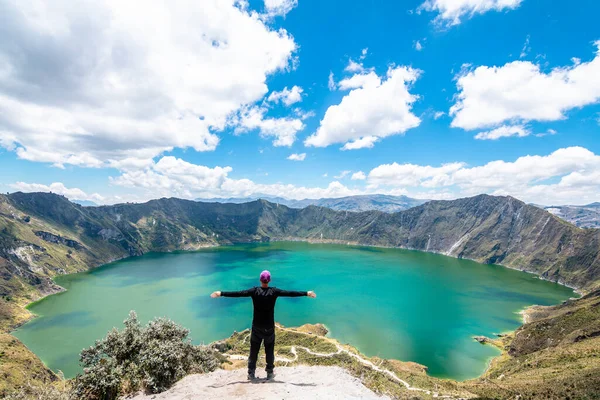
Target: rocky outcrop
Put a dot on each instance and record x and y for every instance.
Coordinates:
(52, 238)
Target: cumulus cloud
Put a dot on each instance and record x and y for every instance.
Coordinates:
(279, 7)
(58, 188)
(287, 96)
(172, 176)
(283, 130)
(504, 131)
(451, 12)
(412, 175)
(568, 175)
(418, 45)
(359, 80)
(366, 142)
(375, 108)
(297, 157)
(520, 91)
(358, 176)
(90, 83)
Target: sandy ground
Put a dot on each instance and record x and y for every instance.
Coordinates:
(302, 382)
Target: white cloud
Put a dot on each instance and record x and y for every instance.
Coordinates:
(359, 80)
(366, 142)
(172, 176)
(331, 81)
(58, 188)
(377, 109)
(279, 7)
(90, 83)
(358, 176)
(504, 131)
(438, 115)
(451, 12)
(303, 115)
(363, 53)
(354, 67)
(412, 175)
(343, 174)
(519, 91)
(287, 96)
(566, 176)
(418, 45)
(283, 130)
(297, 157)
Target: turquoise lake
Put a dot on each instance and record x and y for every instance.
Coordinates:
(401, 304)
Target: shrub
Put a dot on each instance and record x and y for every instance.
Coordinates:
(149, 358)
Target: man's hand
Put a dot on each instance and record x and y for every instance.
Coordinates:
(214, 295)
(311, 294)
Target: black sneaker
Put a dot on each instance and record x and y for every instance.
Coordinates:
(251, 376)
(270, 376)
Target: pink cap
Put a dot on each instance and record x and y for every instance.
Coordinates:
(265, 276)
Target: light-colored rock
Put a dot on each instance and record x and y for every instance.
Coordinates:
(303, 382)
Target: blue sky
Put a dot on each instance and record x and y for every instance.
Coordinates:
(119, 101)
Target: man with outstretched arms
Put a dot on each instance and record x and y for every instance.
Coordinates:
(263, 323)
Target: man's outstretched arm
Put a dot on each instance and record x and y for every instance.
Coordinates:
(293, 293)
(241, 293)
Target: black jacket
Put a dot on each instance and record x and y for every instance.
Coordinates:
(264, 303)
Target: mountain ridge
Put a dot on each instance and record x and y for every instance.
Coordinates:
(369, 202)
(487, 229)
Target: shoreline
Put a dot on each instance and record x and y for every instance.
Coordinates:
(577, 290)
(199, 248)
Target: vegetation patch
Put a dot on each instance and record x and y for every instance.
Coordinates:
(149, 358)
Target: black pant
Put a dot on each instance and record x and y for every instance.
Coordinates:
(256, 338)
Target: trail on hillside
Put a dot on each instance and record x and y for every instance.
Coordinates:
(340, 350)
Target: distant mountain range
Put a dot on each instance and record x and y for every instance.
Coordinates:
(378, 202)
(587, 216)
(85, 203)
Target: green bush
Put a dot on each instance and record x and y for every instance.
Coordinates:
(149, 358)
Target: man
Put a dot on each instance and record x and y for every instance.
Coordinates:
(263, 323)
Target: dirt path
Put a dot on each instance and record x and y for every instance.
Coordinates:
(360, 359)
(302, 382)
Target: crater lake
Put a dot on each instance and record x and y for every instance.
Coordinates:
(391, 303)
